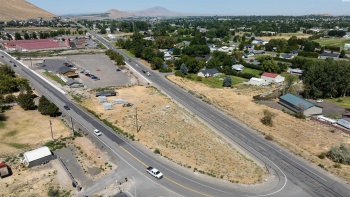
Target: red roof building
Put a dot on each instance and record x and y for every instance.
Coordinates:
(29, 45)
(271, 75)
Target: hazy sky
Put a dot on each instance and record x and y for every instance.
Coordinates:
(220, 7)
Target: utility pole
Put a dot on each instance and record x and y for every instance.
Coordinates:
(51, 129)
(137, 126)
(71, 120)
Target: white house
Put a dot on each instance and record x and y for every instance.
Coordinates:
(208, 72)
(347, 47)
(237, 67)
(37, 157)
(167, 56)
(256, 81)
(272, 77)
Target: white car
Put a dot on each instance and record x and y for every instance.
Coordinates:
(319, 101)
(97, 132)
(154, 172)
(148, 73)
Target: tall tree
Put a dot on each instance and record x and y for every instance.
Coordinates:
(183, 69)
(25, 101)
(227, 82)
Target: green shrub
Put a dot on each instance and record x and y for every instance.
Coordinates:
(268, 118)
(179, 74)
(157, 151)
(340, 154)
(165, 70)
(322, 155)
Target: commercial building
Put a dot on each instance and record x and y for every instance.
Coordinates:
(37, 157)
(299, 105)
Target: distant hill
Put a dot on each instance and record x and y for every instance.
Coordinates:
(158, 11)
(21, 10)
(113, 13)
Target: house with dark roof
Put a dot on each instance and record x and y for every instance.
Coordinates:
(300, 105)
(325, 55)
(66, 71)
(208, 72)
(73, 83)
(272, 78)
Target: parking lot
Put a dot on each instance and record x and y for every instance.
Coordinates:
(100, 66)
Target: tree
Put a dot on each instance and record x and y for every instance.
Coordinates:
(227, 82)
(26, 36)
(177, 51)
(43, 104)
(342, 54)
(34, 35)
(52, 110)
(18, 36)
(26, 101)
(103, 31)
(156, 63)
(271, 66)
(183, 69)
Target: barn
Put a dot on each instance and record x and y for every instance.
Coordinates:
(37, 157)
(297, 104)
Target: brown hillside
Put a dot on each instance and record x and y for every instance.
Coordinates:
(21, 10)
(118, 14)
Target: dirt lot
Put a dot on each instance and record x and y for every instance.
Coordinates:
(303, 137)
(177, 135)
(35, 181)
(26, 129)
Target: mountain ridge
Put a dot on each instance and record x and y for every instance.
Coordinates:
(21, 10)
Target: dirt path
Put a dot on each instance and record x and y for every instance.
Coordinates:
(303, 137)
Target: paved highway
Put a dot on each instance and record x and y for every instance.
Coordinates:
(296, 177)
(294, 170)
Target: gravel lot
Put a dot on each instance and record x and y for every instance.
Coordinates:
(102, 67)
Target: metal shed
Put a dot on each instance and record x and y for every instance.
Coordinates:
(37, 157)
(102, 99)
(107, 106)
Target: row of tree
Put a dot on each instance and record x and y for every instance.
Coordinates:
(117, 57)
(326, 79)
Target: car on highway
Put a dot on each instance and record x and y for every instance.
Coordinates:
(10, 61)
(118, 69)
(14, 65)
(148, 73)
(97, 132)
(154, 172)
(2, 56)
(66, 107)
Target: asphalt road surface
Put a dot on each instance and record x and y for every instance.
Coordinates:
(296, 177)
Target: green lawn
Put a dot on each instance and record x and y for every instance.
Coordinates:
(255, 72)
(343, 101)
(128, 53)
(216, 82)
(339, 42)
(55, 78)
(286, 74)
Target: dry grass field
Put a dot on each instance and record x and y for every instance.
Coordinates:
(177, 135)
(21, 10)
(26, 129)
(303, 137)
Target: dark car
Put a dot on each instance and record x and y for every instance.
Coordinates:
(118, 69)
(66, 107)
(14, 65)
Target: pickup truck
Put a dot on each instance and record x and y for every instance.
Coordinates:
(154, 172)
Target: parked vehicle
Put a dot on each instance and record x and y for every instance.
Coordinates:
(154, 172)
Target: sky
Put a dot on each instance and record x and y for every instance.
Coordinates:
(216, 7)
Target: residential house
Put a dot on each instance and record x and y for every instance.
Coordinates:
(249, 47)
(325, 55)
(66, 71)
(255, 63)
(299, 105)
(272, 78)
(237, 67)
(347, 47)
(295, 71)
(256, 81)
(208, 72)
(186, 43)
(269, 33)
(287, 56)
(258, 52)
(205, 58)
(167, 56)
(295, 52)
(259, 42)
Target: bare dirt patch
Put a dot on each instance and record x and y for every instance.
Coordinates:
(92, 160)
(26, 129)
(177, 135)
(34, 181)
(305, 138)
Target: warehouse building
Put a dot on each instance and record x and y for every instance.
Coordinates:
(298, 104)
(37, 157)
